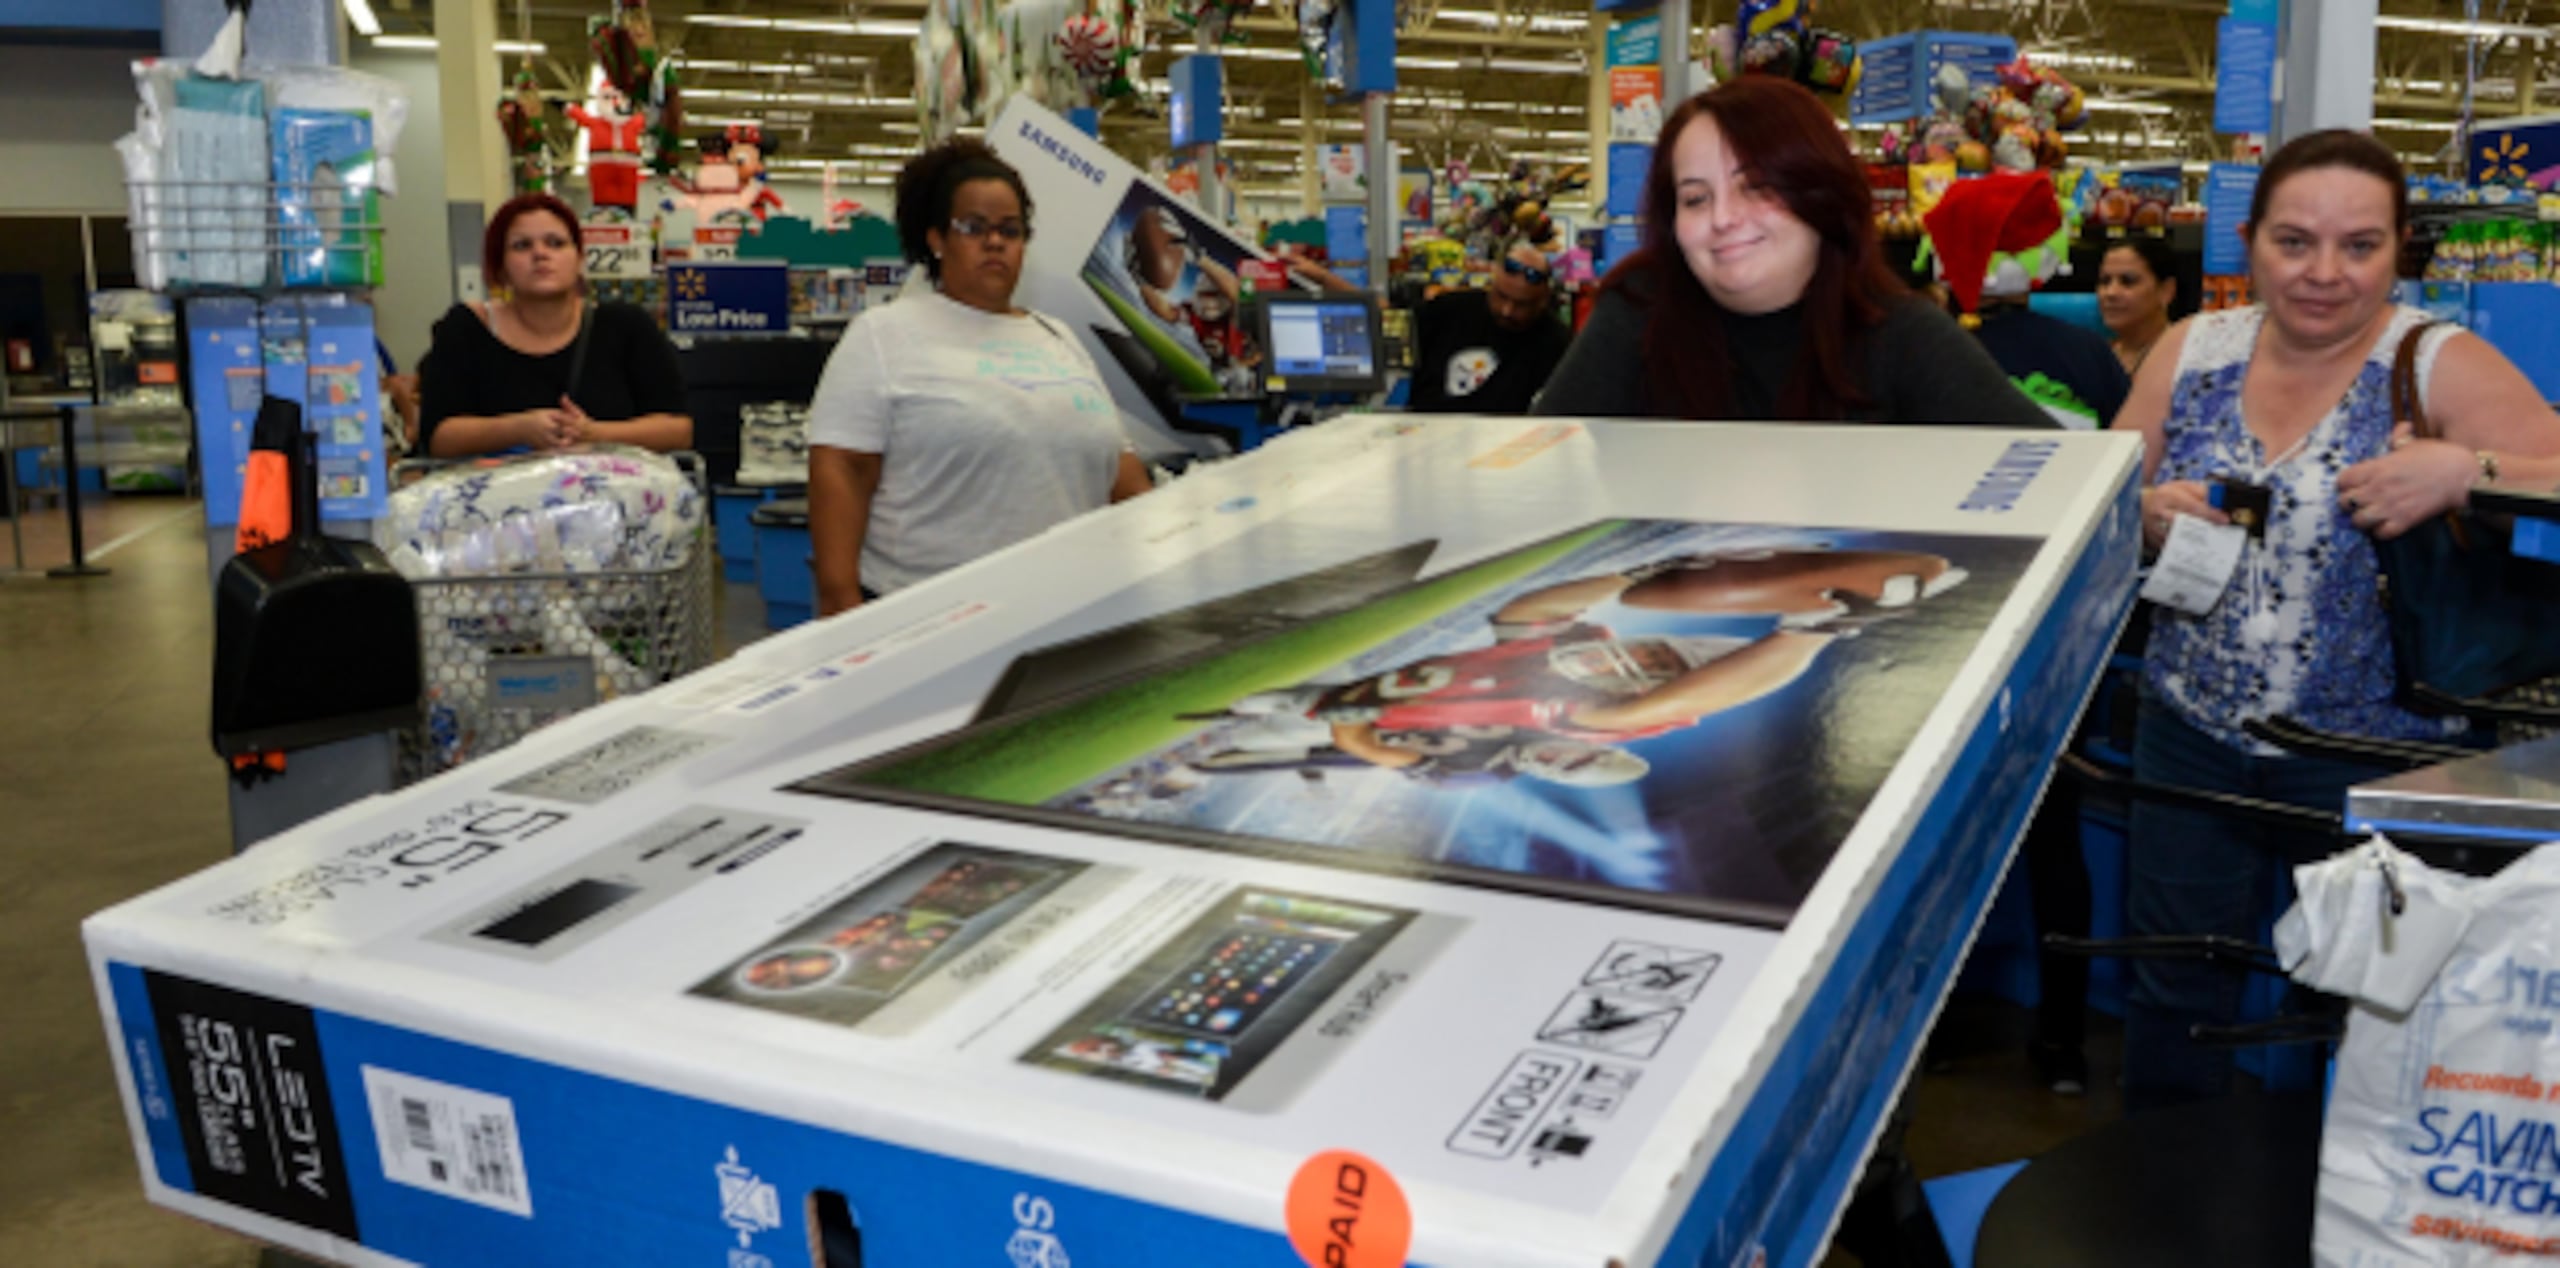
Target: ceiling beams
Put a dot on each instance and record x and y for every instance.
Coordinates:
(827, 93)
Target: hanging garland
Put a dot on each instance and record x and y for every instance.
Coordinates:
(522, 115)
(625, 43)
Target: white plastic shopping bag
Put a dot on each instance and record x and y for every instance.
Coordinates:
(2442, 1145)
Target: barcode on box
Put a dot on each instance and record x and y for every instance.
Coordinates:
(449, 1140)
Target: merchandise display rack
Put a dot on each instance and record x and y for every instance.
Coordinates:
(169, 224)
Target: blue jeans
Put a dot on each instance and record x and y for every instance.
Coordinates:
(2198, 872)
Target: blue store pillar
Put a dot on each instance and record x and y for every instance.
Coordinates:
(1199, 117)
(1367, 51)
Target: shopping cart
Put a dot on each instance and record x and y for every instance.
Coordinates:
(503, 655)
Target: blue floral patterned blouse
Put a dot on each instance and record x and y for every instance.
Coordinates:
(2301, 631)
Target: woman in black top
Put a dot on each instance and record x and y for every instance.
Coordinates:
(1762, 292)
(497, 379)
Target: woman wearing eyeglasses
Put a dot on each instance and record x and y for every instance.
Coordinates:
(951, 424)
(1762, 292)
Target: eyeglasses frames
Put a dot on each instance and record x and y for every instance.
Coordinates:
(973, 227)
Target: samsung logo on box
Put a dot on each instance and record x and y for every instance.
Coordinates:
(2000, 488)
(1057, 149)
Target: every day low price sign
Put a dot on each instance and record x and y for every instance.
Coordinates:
(730, 298)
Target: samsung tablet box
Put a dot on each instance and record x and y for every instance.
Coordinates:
(1466, 842)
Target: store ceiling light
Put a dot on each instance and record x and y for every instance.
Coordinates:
(812, 26)
(360, 16)
(746, 68)
(427, 44)
(1426, 63)
(2097, 105)
(2417, 125)
(1530, 66)
(1537, 22)
(2076, 60)
(2457, 26)
(825, 100)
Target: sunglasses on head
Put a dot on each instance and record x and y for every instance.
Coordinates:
(974, 227)
(1535, 277)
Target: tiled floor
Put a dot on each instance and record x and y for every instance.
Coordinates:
(109, 786)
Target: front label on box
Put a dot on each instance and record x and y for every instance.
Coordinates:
(252, 1102)
(449, 1140)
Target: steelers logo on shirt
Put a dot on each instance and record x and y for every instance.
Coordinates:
(1469, 369)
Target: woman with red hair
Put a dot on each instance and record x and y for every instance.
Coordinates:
(540, 365)
(1762, 293)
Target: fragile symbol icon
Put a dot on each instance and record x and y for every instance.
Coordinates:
(1607, 1023)
(1648, 969)
(747, 1203)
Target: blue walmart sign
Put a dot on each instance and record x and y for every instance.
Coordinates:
(729, 298)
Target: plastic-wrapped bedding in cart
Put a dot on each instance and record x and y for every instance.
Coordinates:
(546, 584)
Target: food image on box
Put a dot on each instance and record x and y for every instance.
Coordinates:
(1208, 1006)
(1663, 714)
(909, 937)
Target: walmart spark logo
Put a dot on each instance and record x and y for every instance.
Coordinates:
(2505, 160)
(691, 284)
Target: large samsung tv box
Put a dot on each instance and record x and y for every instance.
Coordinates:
(1466, 842)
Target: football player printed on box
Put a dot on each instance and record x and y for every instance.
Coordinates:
(1554, 694)
(614, 135)
(1234, 357)
(1188, 290)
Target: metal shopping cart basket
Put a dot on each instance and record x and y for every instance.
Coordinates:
(503, 655)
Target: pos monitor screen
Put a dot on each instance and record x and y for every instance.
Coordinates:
(1320, 343)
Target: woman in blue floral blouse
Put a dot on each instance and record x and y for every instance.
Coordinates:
(2292, 394)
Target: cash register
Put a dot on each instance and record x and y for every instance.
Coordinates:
(1318, 352)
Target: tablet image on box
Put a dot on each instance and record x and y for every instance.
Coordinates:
(880, 943)
(1208, 1006)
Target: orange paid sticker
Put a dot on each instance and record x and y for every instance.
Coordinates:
(1345, 1211)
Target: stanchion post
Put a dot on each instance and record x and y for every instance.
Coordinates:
(79, 565)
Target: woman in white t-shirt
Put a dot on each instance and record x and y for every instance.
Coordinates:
(951, 423)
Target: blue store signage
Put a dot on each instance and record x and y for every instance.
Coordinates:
(2227, 191)
(744, 297)
(2244, 81)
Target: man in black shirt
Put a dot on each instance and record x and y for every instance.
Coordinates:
(1489, 351)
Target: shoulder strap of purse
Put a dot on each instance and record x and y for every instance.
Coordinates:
(2408, 404)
